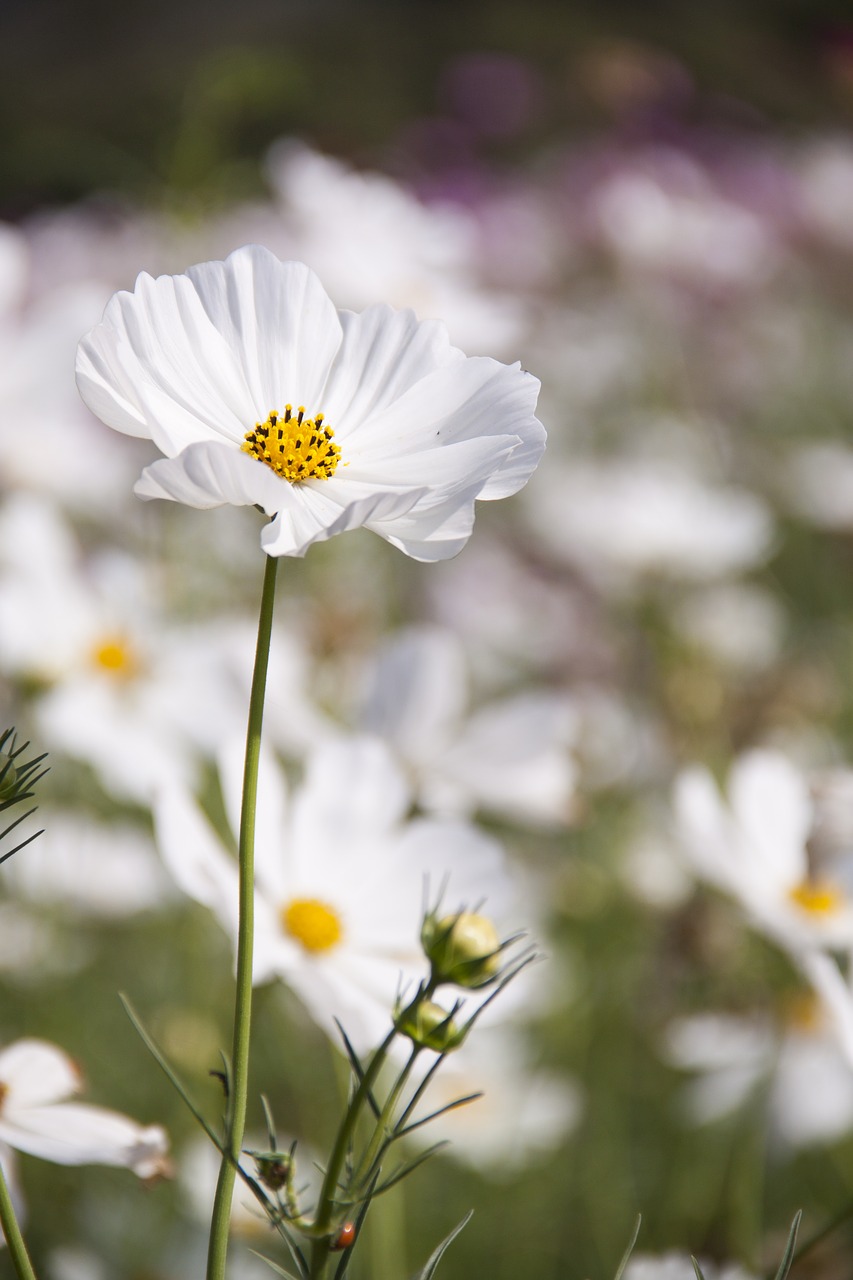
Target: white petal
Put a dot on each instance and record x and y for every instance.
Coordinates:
(773, 809)
(168, 365)
(512, 757)
(384, 352)
(195, 858)
(280, 321)
(35, 1072)
(826, 978)
(73, 1133)
(314, 513)
(704, 821)
(477, 399)
(352, 796)
(417, 693)
(211, 473)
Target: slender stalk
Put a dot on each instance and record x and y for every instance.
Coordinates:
(239, 1079)
(17, 1249)
(384, 1126)
(326, 1202)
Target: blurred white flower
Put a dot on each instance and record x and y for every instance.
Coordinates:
(340, 879)
(35, 1079)
(618, 520)
(509, 757)
(371, 240)
(754, 847)
(807, 1082)
(740, 625)
(391, 427)
(676, 224)
(820, 484)
(826, 190)
(120, 687)
(90, 868)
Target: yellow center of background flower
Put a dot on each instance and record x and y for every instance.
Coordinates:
(114, 655)
(817, 897)
(297, 448)
(4, 1089)
(313, 923)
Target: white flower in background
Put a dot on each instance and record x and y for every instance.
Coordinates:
(34, 949)
(488, 597)
(120, 688)
(260, 393)
(36, 1078)
(509, 757)
(38, 398)
(753, 846)
(372, 240)
(798, 1067)
(826, 190)
(741, 626)
(620, 520)
(89, 868)
(674, 223)
(820, 484)
(340, 879)
(524, 1113)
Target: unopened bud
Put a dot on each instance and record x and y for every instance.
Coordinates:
(463, 949)
(274, 1168)
(429, 1026)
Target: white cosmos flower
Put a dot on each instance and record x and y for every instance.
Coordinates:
(260, 393)
(120, 688)
(36, 1078)
(340, 879)
(799, 1066)
(755, 848)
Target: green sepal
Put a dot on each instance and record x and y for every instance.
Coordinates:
(438, 1253)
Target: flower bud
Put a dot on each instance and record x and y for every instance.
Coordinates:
(463, 949)
(274, 1168)
(429, 1026)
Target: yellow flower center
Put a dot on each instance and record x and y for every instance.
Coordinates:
(297, 448)
(114, 655)
(4, 1089)
(317, 926)
(817, 897)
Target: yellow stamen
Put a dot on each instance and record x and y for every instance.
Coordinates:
(4, 1089)
(312, 923)
(297, 448)
(817, 897)
(114, 655)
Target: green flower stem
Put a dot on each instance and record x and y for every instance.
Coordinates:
(15, 1241)
(326, 1204)
(384, 1127)
(239, 1076)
